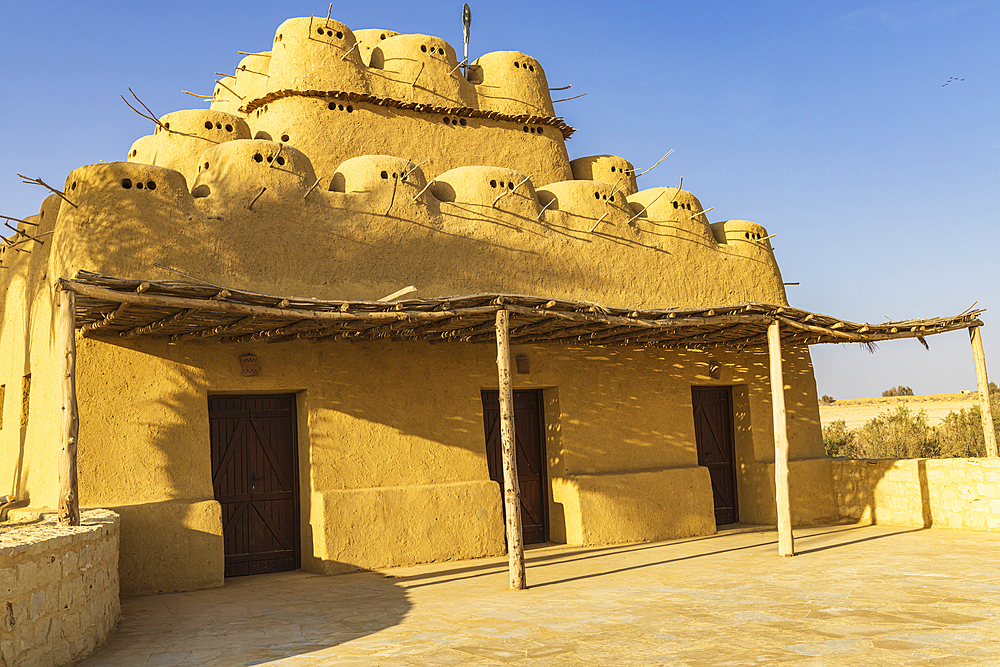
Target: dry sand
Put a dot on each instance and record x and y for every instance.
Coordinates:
(857, 411)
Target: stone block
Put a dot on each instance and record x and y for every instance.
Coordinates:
(8, 582)
(70, 563)
(19, 607)
(59, 653)
(42, 629)
(987, 490)
(81, 646)
(86, 558)
(27, 576)
(52, 598)
(66, 594)
(7, 652)
(23, 635)
(8, 620)
(55, 631)
(89, 578)
(72, 624)
(37, 605)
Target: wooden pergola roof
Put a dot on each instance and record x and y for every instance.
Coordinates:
(188, 310)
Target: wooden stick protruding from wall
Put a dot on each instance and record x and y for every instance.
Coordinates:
(69, 492)
(786, 545)
(511, 490)
(989, 435)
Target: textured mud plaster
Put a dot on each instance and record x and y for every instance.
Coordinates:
(370, 528)
(345, 165)
(170, 546)
(636, 506)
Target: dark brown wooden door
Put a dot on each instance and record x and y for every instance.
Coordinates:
(529, 423)
(713, 433)
(255, 476)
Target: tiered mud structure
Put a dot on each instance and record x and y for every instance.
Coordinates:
(373, 151)
(345, 165)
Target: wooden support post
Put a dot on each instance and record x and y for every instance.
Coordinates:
(786, 546)
(69, 493)
(989, 436)
(512, 493)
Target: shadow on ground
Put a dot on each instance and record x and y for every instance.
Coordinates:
(805, 544)
(254, 620)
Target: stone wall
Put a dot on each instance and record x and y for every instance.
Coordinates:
(58, 589)
(944, 493)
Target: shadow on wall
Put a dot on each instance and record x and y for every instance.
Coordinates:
(149, 460)
(26, 299)
(856, 483)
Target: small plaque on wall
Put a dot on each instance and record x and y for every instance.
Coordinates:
(250, 365)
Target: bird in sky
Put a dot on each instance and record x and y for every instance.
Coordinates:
(951, 79)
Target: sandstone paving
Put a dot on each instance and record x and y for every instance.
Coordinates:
(869, 595)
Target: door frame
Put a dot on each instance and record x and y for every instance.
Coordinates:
(731, 435)
(543, 464)
(296, 487)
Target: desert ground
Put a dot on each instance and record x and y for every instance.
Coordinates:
(857, 411)
(854, 595)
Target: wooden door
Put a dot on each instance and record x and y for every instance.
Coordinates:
(713, 433)
(529, 435)
(255, 476)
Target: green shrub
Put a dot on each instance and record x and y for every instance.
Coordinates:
(902, 434)
(897, 435)
(898, 391)
(960, 435)
(838, 440)
(826, 399)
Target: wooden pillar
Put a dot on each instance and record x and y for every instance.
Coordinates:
(512, 493)
(69, 493)
(786, 546)
(989, 436)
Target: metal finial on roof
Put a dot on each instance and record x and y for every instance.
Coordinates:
(466, 26)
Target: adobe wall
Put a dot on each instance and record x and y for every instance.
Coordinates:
(58, 589)
(29, 369)
(252, 225)
(939, 493)
(470, 189)
(386, 483)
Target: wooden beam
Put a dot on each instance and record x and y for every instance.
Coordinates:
(69, 492)
(512, 493)
(984, 392)
(265, 312)
(786, 546)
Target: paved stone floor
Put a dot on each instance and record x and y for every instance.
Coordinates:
(853, 596)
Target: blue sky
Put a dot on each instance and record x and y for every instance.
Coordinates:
(827, 122)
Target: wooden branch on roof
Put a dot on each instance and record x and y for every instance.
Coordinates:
(189, 310)
(467, 112)
(158, 324)
(106, 320)
(215, 331)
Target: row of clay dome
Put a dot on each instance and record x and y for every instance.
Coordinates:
(253, 172)
(313, 53)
